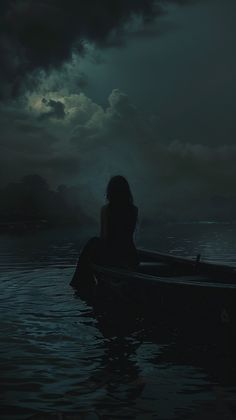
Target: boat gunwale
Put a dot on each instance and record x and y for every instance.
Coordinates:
(188, 260)
(187, 280)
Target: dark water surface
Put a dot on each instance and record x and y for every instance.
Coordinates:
(59, 356)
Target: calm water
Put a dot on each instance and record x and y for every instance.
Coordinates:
(59, 356)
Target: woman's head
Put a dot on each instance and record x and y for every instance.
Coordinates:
(118, 191)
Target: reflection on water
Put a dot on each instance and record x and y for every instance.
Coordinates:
(213, 241)
(60, 355)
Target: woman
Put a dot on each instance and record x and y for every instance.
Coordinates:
(118, 222)
(115, 246)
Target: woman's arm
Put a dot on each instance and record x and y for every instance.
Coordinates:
(104, 224)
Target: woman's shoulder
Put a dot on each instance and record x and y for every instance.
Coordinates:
(104, 209)
(135, 210)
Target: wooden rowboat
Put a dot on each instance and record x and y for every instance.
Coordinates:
(179, 286)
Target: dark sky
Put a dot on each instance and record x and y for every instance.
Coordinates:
(143, 88)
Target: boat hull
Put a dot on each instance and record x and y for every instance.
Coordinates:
(180, 288)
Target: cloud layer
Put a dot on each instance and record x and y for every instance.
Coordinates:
(49, 127)
(43, 34)
(71, 139)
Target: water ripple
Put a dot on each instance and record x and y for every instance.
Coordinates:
(59, 356)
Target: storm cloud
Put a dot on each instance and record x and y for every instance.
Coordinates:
(91, 143)
(44, 34)
(79, 108)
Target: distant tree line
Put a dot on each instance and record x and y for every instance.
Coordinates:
(31, 201)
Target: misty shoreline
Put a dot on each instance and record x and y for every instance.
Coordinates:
(31, 205)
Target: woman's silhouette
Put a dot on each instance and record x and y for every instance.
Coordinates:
(115, 246)
(118, 222)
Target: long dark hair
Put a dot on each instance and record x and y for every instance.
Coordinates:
(118, 191)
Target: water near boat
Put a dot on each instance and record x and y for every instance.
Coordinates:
(62, 357)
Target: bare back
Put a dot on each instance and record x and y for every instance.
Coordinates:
(117, 229)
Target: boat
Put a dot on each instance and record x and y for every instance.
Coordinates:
(181, 287)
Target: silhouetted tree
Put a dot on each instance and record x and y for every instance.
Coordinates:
(31, 199)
